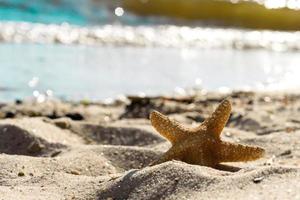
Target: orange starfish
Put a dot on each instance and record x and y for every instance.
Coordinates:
(202, 145)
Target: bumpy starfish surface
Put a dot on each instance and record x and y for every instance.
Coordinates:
(202, 145)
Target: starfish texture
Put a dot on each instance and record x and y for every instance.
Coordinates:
(202, 145)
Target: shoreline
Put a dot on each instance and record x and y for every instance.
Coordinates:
(141, 36)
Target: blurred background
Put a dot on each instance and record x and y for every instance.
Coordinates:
(103, 49)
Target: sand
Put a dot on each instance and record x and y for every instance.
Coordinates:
(81, 150)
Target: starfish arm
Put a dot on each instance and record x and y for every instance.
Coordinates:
(171, 154)
(217, 121)
(168, 128)
(229, 152)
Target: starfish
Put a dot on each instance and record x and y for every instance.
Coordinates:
(202, 145)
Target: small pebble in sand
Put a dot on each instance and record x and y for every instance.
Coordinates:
(106, 118)
(75, 172)
(286, 152)
(10, 114)
(18, 101)
(228, 134)
(21, 174)
(267, 99)
(258, 179)
(75, 116)
(35, 147)
(290, 129)
(62, 124)
(270, 161)
(55, 153)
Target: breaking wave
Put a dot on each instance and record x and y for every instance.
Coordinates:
(154, 35)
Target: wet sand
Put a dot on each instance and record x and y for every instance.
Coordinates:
(83, 150)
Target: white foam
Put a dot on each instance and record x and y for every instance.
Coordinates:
(146, 36)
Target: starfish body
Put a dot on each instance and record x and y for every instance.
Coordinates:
(202, 145)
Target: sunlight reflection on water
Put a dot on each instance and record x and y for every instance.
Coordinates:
(76, 72)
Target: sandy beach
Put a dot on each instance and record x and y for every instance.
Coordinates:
(149, 100)
(82, 150)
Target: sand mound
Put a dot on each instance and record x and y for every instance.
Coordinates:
(173, 180)
(32, 136)
(115, 135)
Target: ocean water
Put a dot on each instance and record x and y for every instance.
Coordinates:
(87, 72)
(78, 50)
(77, 12)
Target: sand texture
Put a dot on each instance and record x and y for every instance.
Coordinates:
(66, 150)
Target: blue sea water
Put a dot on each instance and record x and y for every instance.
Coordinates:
(116, 60)
(87, 72)
(77, 12)
(55, 11)
(43, 11)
